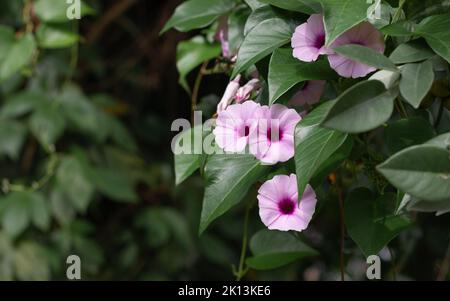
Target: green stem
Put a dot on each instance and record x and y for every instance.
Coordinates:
(36, 185)
(397, 14)
(195, 90)
(26, 16)
(74, 54)
(402, 109)
(242, 270)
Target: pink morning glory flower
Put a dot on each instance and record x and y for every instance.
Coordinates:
(309, 94)
(235, 125)
(278, 204)
(308, 39)
(364, 34)
(274, 140)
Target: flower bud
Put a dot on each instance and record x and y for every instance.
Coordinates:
(388, 78)
(222, 37)
(229, 95)
(245, 92)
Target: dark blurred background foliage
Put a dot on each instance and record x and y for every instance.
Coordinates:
(86, 165)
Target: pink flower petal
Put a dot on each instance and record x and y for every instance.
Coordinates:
(308, 40)
(235, 125)
(273, 141)
(364, 34)
(278, 204)
(310, 93)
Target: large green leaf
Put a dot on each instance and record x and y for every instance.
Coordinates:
(435, 30)
(361, 108)
(74, 183)
(56, 36)
(113, 184)
(254, 4)
(19, 55)
(56, 11)
(261, 41)
(197, 14)
(341, 15)
(314, 145)
(47, 124)
(21, 104)
(22, 208)
(414, 204)
(442, 141)
(402, 28)
(15, 215)
(422, 171)
(261, 14)
(39, 210)
(366, 56)
(190, 54)
(416, 81)
(7, 36)
(187, 159)
(273, 249)
(285, 72)
(411, 52)
(404, 133)
(303, 6)
(12, 137)
(228, 179)
(370, 221)
(333, 162)
(61, 206)
(82, 114)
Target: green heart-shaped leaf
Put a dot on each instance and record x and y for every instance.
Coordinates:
(422, 171)
(314, 145)
(370, 221)
(361, 108)
(228, 177)
(273, 249)
(285, 72)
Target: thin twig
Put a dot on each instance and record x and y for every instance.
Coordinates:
(195, 90)
(27, 16)
(400, 108)
(50, 171)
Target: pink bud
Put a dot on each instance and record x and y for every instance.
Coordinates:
(245, 92)
(222, 37)
(229, 95)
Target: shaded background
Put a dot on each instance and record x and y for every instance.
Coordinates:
(110, 198)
